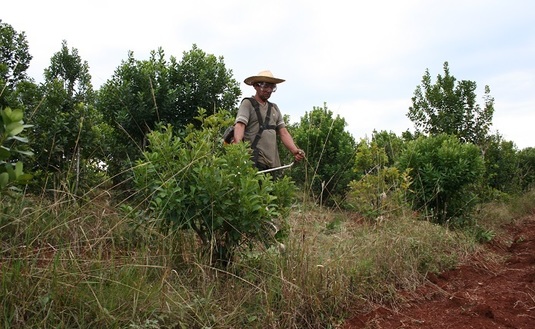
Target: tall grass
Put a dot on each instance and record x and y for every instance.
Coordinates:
(505, 210)
(87, 264)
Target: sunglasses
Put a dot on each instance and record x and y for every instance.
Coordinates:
(267, 85)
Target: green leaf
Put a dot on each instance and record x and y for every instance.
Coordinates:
(18, 138)
(4, 179)
(5, 115)
(15, 115)
(18, 169)
(11, 172)
(14, 128)
(4, 152)
(24, 178)
(28, 153)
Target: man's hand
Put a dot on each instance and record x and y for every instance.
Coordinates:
(239, 131)
(299, 155)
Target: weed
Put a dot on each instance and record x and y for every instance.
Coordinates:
(90, 264)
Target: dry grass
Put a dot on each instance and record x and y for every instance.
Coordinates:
(87, 264)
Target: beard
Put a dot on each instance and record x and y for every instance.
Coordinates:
(264, 96)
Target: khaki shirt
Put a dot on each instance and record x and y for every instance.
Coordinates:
(268, 152)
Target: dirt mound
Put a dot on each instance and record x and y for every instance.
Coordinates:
(494, 289)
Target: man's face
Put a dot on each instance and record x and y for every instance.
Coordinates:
(264, 89)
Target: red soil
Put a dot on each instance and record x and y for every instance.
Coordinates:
(493, 289)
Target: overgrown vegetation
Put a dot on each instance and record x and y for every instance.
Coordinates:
(381, 188)
(445, 175)
(144, 93)
(195, 182)
(139, 217)
(330, 150)
(87, 264)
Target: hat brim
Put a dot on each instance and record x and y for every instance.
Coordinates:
(259, 78)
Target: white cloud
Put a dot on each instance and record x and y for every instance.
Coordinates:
(365, 116)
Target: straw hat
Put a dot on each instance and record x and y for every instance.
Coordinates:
(264, 76)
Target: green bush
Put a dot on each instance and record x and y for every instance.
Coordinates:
(392, 144)
(330, 153)
(445, 176)
(194, 182)
(502, 172)
(381, 189)
(526, 160)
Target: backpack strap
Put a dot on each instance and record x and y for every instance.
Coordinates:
(261, 125)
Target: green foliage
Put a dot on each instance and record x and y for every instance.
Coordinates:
(11, 170)
(204, 82)
(502, 168)
(480, 234)
(64, 136)
(16, 89)
(391, 143)
(82, 266)
(72, 73)
(370, 157)
(447, 107)
(194, 182)
(526, 163)
(330, 152)
(380, 189)
(445, 176)
(14, 55)
(143, 93)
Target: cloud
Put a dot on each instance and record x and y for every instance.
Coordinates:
(516, 124)
(363, 58)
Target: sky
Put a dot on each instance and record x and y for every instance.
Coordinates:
(361, 59)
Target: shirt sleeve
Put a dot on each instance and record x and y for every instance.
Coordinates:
(280, 120)
(244, 112)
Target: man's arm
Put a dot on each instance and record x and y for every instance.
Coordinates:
(239, 131)
(288, 142)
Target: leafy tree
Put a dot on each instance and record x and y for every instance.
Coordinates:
(392, 144)
(14, 62)
(370, 157)
(450, 107)
(203, 82)
(193, 182)
(63, 137)
(501, 162)
(330, 152)
(142, 94)
(526, 163)
(14, 55)
(445, 176)
(380, 188)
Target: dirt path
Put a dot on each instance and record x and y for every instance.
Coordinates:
(494, 289)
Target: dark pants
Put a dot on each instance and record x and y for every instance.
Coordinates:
(274, 174)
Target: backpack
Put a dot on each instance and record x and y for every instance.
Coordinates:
(228, 136)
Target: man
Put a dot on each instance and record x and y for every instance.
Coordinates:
(246, 126)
